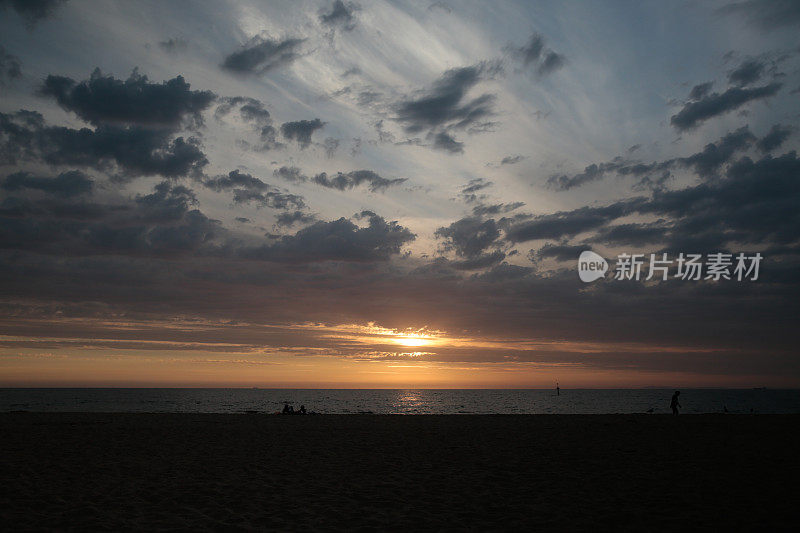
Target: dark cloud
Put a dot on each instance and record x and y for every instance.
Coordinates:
(162, 223)
(350, 180)
(301, 130)
(251, 111)
(653, 182)
(475, 185)
(338, 240)
(165, 224)
(272, 198)
(18, 206)
(290, 218)
(766, 14)
(695, 113)
(511, 159)
(714, 155)
(469, 237)
(470, 191)
(775, 138)
(341, 15)
(700, 91)
(261, 54)
(570, 223)
(135, 101)
(748, 72)
(10, 67)
(186, 236)
(631, 234)
(534, 54)
(66, 184)
(135, 150)
(505, 273)
(341, 180)
(445, 106)
(750, 202)
(268, 138)
(654, 175)
(445, 142)
(479, 262)
(591, 173)
(597, 171)
(167, 202)
(247, 188)
(559, 252)
(235, 179)
(32, 10)
(292, 174)
(496, 209)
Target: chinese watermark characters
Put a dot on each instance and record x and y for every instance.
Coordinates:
(694, 267)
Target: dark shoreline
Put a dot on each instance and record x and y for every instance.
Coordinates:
(377, 472)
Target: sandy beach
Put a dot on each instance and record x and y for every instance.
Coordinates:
(252, 471)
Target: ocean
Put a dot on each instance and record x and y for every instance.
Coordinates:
(396, 401)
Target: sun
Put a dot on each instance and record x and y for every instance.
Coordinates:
(412, 340)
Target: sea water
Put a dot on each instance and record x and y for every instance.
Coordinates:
(398, 401)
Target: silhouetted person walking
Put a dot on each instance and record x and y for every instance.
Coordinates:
(558, 390)
(674, 404)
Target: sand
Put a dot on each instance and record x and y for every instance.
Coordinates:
(371, 473)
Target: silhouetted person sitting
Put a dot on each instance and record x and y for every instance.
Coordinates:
(674, 404)
(302, 410)
(286, 410)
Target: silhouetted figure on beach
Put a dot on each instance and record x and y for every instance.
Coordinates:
(286, 409)
(558, 389)
(302, 410)
(674, 404)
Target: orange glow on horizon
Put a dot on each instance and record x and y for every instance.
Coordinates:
(310, 355)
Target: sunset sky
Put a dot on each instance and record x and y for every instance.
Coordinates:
(395, 194)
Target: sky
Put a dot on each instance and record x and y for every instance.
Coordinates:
(395, 194)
